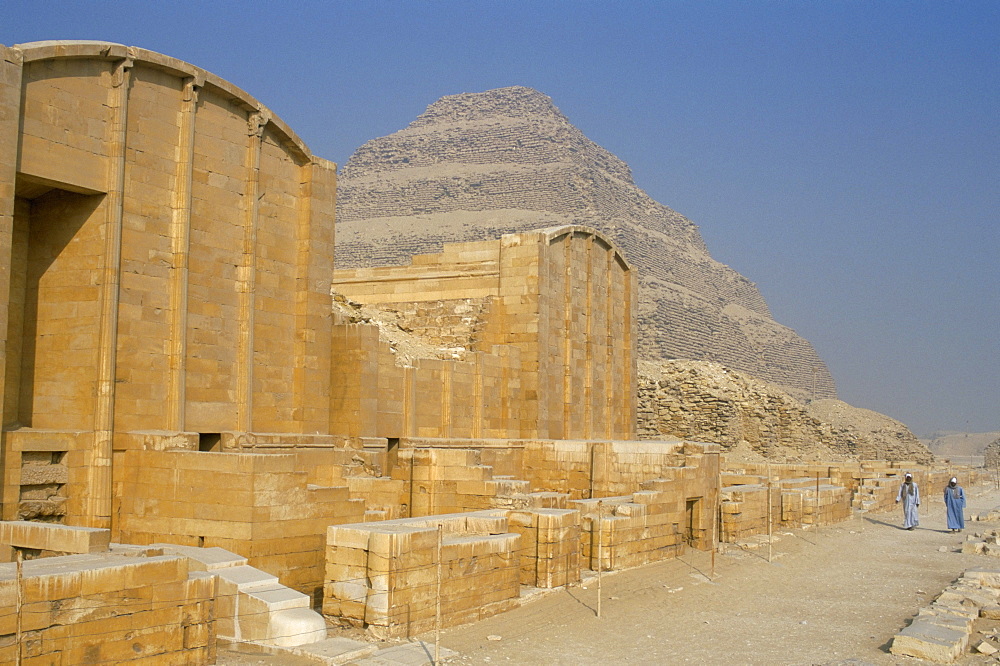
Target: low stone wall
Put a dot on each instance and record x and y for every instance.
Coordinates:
(390, 576)
(258, 505)
(87, 609)
(550, 549)
(793, 503)
(580, 469)
(647, 526)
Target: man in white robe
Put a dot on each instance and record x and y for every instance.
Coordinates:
(909, 495)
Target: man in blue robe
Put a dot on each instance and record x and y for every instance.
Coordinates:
(954, 500)
(909, 495)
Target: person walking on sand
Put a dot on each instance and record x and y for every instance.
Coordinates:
(909, 494)
(954, 500)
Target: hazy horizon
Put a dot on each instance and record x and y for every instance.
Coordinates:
(843, 156)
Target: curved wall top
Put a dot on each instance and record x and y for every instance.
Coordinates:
(90, 49)
(553, 233)
(165, 256)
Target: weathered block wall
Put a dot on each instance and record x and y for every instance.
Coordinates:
(794, 503)
(109, 609)
(452, 480)
(373, 396)
(505, 161)
(452, 324)
(563, 297)
(385, 575)
(577, 468)
(550, 546)
(257, 505)
(852, 475)
(165, 243)
(632, 530)
(46, 475)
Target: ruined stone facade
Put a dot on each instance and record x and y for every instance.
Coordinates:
(175, 377)
(166, 240)
(474, 166)
(563, 299)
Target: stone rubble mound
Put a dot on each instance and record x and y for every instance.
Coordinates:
(941, 632)
(756, 421)
(991, 455)
(475, 166)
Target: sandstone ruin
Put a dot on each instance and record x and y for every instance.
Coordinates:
(196, 430)
(474, 166)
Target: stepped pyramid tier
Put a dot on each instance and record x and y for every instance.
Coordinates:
(475, 166)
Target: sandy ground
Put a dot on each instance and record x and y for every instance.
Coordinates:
(833, 595)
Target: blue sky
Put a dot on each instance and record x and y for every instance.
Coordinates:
(845, 156)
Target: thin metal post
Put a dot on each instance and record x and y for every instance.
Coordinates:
(600, 554)
(770, 517)
(437, 608)
(19, 603)
(716, 516)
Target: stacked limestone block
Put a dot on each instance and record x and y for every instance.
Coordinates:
(550, 546)
(563, 297)
(561, 466)
(449, 475)
(875, 495)
(828, 506)
(873, 484)
(377, 394)
(108, 608)
(257, 505)
(744, 511)
(612, 536)
(448, 480)
(387, 576)
(585, 469)
(940, 633)
(647, 526)
(385, 498)
(794, 502)
(48, 540)
(194, 297)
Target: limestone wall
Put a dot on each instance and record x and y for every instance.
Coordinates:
(165, 242)
(575, 468)
(794, 503)
(372, 395)
(88, 609)
(389, 576)
(477, 165)
(562, 297)
(257, 505)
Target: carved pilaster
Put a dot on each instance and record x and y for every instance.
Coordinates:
(256, 124)
(180, 240)
(99, 487)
